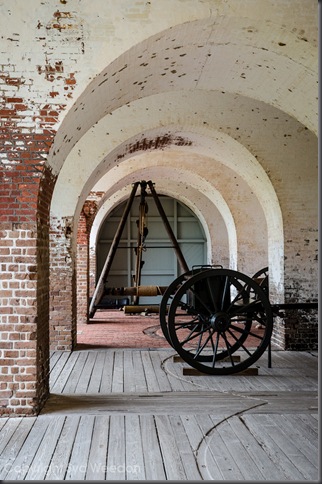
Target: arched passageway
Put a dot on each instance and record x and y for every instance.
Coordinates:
(160, 264)
(217, 104)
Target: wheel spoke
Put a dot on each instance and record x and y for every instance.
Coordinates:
(200, 300)
(193, 334)
(212, 295)
(249, 333)
(187, 323)
(199, 343)
(238, 329)
(260, 319)
(186, 307)
(241, 345)
(249, 307)
(224, 294)
(240, 321)
(215, 350)
(237, 297)
(228, 346)
(203, 346)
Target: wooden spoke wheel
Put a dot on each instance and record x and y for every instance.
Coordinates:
(212, 316)
(261, 277)
(168, 297)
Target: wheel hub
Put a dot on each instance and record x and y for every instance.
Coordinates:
(220, 321)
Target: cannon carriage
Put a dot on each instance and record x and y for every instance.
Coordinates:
(219, 321)
(211, 314)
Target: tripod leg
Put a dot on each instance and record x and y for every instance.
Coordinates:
(181, 259)
(99, 290)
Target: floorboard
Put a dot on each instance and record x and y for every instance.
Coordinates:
(186, 402)
(76, 469)
(96, 376)
(118, 372)
(257, 460)
(122, 414)
(279, 447)
(107, 373)
(57, 362)
(149, 373)
(27, 451)
(12, 450)
(59, 463)
(116, 449)
(134, 449)
(171, 455)
(96, 469)
(43, 455)
(66, 372)
(183, 444)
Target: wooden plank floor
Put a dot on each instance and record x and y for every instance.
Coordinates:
(118, 414)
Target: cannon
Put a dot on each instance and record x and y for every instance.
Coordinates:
(209, 313)
(220, 321)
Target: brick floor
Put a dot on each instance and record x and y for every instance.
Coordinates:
(114, 329)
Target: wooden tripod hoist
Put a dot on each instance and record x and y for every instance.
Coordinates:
(137, 290)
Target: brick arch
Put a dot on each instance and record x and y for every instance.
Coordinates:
(201, 204)
(210, 53)
(215, 151)
(33, 114)
(202, 146)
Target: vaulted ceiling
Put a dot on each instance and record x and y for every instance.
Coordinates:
(215, 101)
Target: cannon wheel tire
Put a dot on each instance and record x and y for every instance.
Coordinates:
(262, 276)
(212, 316)
(167, 299)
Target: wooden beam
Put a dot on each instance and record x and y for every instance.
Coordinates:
(181, 259)
(195, 372)
(99, 290)
(179, 359)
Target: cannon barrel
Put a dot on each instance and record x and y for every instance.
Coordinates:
(135, 291)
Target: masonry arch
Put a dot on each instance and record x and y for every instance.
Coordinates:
(91, 85)
(133, 98)
(210, 211)
(180, 163)
(193, 168)
(201, 54)
(160, 266)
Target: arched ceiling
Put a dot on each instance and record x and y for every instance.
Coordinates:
(226, 98)
(213, 212)
(263, 62)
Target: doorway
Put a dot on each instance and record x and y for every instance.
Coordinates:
(160, 265)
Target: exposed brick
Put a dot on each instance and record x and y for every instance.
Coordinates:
(34, 101)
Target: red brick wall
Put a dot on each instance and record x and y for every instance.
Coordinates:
(297, 330)
(26, 186)
(83, 290)
(82, 270)
(69, 277)
(18, 317)
(62, 286)
(24, 354)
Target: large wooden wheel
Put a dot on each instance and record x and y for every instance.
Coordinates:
(212, 316)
